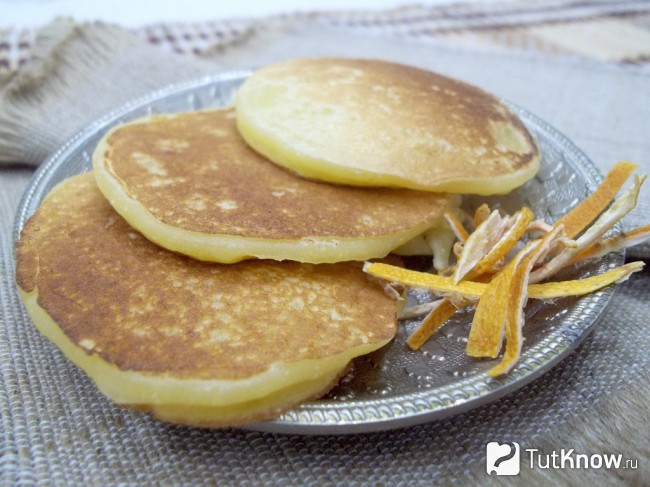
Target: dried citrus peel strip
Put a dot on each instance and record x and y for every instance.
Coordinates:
(518, 294)
(559, 289)
(443, 310)
(499, 304)
(481, 214)
(606, 245)
(458, 250)
(520, 221)
(456, 226)
(472, 290)
(486, 334)
(435, 283)
(517, 226)
(513, 322)
(539, 226)
(480, 242)
(588, 209)
(621, 207)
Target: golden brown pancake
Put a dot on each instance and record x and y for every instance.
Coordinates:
(191, 184)
(191, 341)
(366, 122)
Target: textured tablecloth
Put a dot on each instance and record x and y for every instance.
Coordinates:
(57, 429)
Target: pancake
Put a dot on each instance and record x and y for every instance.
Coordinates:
(191, 184)
(193, 342)
(374, 123)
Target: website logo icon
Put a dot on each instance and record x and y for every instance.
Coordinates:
(503, 459)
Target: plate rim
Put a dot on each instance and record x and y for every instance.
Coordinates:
(491, 389)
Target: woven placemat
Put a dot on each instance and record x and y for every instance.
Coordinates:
(611, 30)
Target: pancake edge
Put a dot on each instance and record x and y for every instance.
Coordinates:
(265, 408)
(319, 169)
(147, 391)
(229, 249)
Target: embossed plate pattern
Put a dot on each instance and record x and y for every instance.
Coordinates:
(396, 387)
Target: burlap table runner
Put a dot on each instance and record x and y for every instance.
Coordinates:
(56, 428)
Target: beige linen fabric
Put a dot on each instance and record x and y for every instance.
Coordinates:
(77, 73)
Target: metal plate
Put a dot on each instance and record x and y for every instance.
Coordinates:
(396, 387)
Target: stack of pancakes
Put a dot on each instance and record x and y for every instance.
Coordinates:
(208, 269)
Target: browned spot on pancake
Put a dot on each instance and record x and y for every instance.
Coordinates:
(193, 171)
(142, 308)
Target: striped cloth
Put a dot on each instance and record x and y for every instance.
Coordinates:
(610, 30)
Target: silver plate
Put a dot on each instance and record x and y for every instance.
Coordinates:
(396, 387)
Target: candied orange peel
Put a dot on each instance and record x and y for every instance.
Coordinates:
(589, 208)
(456, 226)
(441, 312)
(498, 285)
(472, 291)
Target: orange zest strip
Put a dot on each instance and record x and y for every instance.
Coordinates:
(456, 226)
(431, 322)
(619, 208)
(472, 290)
(514, 319)
(578, 287)
(505, 244)
(486, 334)
(480, 242)
(588, 209)
(538, 226)
(518, 296)
(495, 313)
(606, 245)
(433, 282)
(481, 214)
(457, 249)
